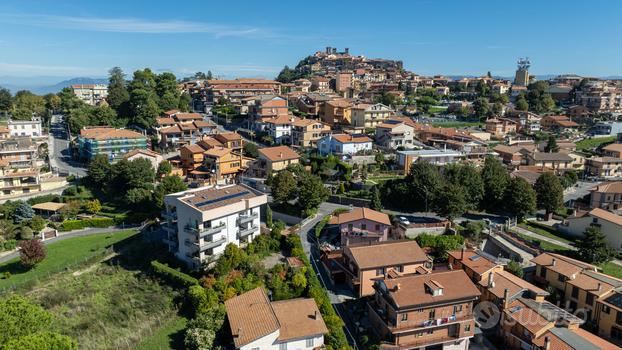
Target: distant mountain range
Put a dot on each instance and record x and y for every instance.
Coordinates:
(45, 85)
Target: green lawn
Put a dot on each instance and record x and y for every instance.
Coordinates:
(437, 109)
(543, 244)
(61, 255)
(547, 232)
(169, 337)
(455, 124)
(588, 144)
(612, 269)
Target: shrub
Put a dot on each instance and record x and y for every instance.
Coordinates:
(320, 225)
(31, 252)
(70, 225)
(173, 275)
(10, 244)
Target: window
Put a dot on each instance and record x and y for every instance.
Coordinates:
(594, 220)
(573, 305)
(380, 271)
(254, 348)
(363, 226)
(575, 292)
(619, 317)
(561, 277)
(467, 328)
(404, 317)
(399, 268)
(432, 314)
(283, 346)
(350, 227)
(310, 343)
(542, 271)
(589, 299)
(616, 333)
(457, 308)
(377, 227)
(606, 309)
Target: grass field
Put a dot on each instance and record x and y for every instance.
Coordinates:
(588, 144)
(543, 244)
(437, 109)
(169, 337)
(612, 269)
(62, 255)
(551, 233)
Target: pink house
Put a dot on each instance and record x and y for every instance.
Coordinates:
(361, 225)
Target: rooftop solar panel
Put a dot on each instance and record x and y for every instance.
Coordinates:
(223, 198)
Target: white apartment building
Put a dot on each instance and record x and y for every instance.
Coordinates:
(201, 222)
(393, 134)
(344, 144)
(30, 128)
(91, 94)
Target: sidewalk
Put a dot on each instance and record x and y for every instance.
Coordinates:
(543, 238)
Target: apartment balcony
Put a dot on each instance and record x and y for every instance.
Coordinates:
(207, 244)
(247, 218)
(206, 231)
(170, 228)
(170, 242)
(243, 232)
(390, 324)
(169, 215)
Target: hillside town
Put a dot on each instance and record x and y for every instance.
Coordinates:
(347, 203)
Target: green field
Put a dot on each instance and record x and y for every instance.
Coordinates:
(437, 109)
(61, 255)
(612, 269)
(588, 144)
(543, 244)
(550, 233)
(169, 337)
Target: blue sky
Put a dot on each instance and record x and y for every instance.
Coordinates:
(256, 38)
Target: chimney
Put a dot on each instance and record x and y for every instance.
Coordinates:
(553, 262)
(280, 154)
(462, 253)
(490, 279)
(506, 297)
(547, 343)
(315, 315)
(450, 266)
(599, 287)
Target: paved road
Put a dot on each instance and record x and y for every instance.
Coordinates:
(309, 244)
(581, 189)
(78, 233)
(58, 149)
(543, 238)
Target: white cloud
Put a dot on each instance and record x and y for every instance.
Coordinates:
(134, 25)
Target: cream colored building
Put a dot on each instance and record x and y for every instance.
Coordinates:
(91, 94)
(368, 116)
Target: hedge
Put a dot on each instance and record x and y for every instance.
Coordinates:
(173, 275)
(320, 226)
(336, 337)
(70, 225)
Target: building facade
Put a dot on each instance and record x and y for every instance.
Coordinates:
(114, 143)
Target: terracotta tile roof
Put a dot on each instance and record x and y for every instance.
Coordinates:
(360, 214)
(251, 317)
(614, 147)
(414, 290)
(545, 157)
(165, 121)
(146, 152)
(305, 122)
(503, 280)
(339, 103)
(405, 120)
(175, 129)
(563, 264)
(105, 133)
(607, 215)
(188, 116)
(217, 152)
(278, 153)
(389, 253)
(203, 124)
(281, 120)
(608, 187)
(527, 175)
(4, 130)
(299, 318)
(528, 318)
(351, 138)
(227, 136)
(208, 142)
(590, 281)
(566, 123)
(556, 117)
(193, 148)
(171, 112)
(187, 126)
(562, 338)
(474, 261)
(507, 149)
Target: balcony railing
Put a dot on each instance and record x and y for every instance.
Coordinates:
(246, 218)
(243, 232)
(169, 215)
(211, 244)
(206, 231)
(170, 228)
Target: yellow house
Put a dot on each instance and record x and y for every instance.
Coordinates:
(588, 286)
(306, 132)
(273, 159)
(608, 316)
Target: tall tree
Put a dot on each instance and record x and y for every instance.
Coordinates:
(481, 107)
(452, 202)
(143, 98)
(99, 170)
(593, 247)
(118, 95)
(169, 184)
(6, 101)
(521, 103)
(495, 178)
(467, 176)
(167, 91)
(520, 198)
(27, 101)
(284, 187)
(376, 203)
(424, 183)
(551, 145)
(69, 100)
(311, 192)
(550, 193)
